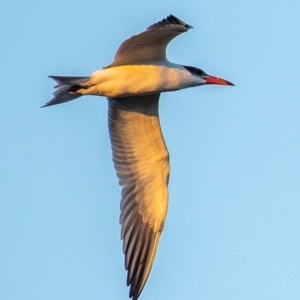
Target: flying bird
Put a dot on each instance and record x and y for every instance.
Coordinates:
(132, 83)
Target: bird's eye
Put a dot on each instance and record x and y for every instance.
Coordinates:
(200, 72)
(196, 71)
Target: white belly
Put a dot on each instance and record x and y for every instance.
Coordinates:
(133, 80)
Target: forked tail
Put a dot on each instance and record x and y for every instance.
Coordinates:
(66, 88)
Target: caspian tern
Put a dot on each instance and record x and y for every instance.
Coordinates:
(132, 84)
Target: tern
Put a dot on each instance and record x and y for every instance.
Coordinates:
(132, 83)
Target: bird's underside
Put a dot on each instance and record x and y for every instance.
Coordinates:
(141, 160)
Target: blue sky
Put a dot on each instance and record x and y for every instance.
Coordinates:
(232, 230)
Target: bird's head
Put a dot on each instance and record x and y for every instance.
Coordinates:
(205, 78)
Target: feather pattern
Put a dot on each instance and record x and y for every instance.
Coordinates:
(141, 160)
(151, 44)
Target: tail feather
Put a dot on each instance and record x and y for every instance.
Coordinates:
(69, 80)
(65, 90)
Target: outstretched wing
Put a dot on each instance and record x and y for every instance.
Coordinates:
(151, 44)
(141, 160)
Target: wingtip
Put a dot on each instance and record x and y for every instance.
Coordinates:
(174, 19)
(171, 20)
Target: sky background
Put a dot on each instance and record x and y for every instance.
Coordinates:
(232, 230)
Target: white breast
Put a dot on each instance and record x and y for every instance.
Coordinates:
(132, 80)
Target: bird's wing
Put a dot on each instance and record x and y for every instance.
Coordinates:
(141, 160)
(151, 44)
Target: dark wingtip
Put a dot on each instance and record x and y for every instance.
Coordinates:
(171, 19)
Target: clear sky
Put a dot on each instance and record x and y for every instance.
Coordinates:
(232, 230)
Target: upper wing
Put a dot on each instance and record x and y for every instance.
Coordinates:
(141, 160)
(150, 44)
